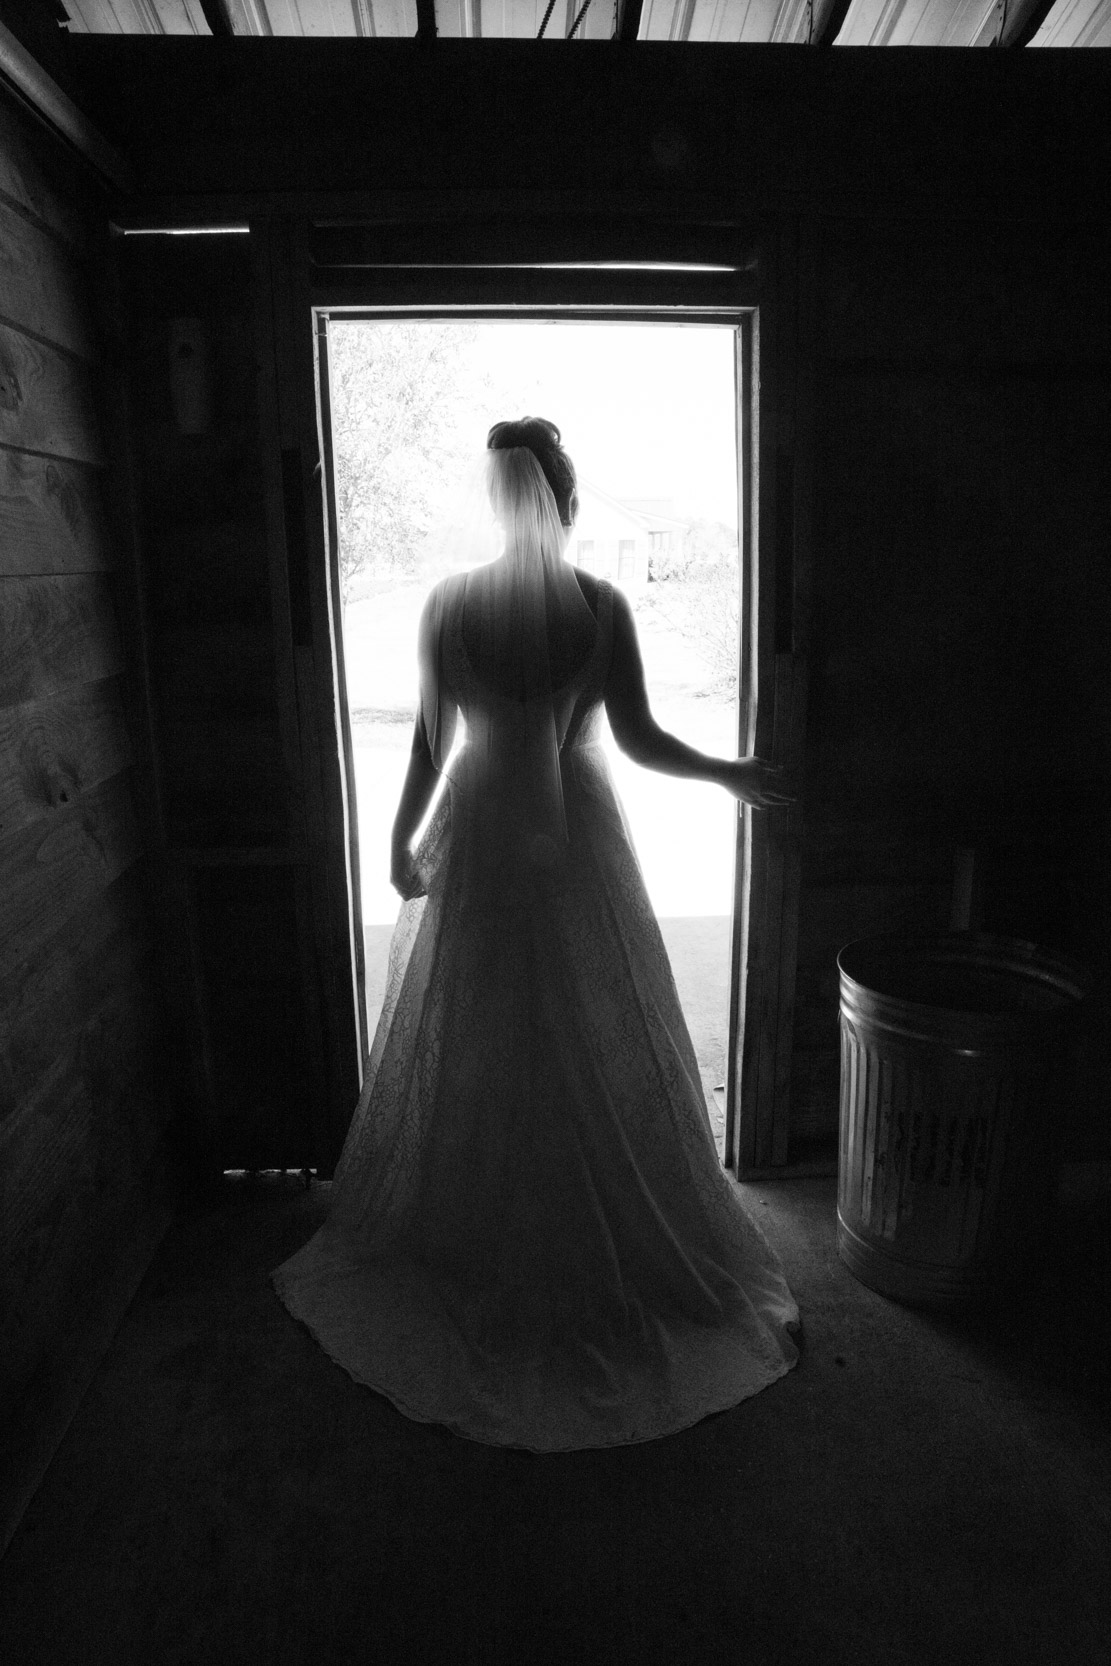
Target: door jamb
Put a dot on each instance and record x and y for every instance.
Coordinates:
(770, 720)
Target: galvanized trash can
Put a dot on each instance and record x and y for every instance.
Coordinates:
(954, 1052)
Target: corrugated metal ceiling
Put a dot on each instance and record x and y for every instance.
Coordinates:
(1071, 23)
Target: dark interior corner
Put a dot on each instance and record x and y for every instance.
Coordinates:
(925, 238)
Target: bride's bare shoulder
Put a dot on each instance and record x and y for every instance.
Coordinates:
(443, 591)
(436, 606)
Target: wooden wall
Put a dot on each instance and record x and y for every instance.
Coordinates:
(81, 1109)
(219, 648)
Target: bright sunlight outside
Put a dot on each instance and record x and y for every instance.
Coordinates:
(648, 414)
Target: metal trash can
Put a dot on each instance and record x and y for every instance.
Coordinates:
(954, 1051)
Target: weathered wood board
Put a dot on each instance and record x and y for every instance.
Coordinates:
(81, 1111)
(53, 750)
(53, 867)
(27, 177)
(41, 292)
(51, 516)
(46, 400)
(55, 632)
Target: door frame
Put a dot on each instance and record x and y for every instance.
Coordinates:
(319, 272)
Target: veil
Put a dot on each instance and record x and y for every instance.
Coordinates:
(500, 647)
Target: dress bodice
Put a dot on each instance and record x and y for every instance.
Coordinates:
(478, 701)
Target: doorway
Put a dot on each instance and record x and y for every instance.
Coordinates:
(651, 413)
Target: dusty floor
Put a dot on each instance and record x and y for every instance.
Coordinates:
(918, 1490)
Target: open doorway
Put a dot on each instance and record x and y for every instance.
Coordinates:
(649, 413)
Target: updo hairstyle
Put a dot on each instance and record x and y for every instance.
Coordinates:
(543, 440)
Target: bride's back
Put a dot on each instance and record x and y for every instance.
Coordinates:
(498, 657)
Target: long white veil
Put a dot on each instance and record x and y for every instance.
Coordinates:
(522, 627)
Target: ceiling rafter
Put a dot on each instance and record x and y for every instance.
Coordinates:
(629, 14)
(247, 17)
(1020, 20)
(217, 15)
(821, 23)
(826, 20)
(682, 19)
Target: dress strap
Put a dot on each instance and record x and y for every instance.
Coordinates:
(604, 647)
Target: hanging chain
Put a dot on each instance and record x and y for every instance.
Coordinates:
(578, 20)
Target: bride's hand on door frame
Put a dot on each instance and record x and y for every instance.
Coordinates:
(762, 785)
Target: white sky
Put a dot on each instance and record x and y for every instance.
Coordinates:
(646, 410)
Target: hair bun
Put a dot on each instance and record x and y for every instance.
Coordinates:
(537, 433)
(543, 439)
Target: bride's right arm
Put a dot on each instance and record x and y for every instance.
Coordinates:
(641, 738)
(416, 795)
(422, 775)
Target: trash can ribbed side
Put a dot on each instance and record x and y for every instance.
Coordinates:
(952, 1050)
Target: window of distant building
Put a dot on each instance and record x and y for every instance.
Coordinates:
(626, 558)
(585, 556)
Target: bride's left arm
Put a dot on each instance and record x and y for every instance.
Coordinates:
(641, 738)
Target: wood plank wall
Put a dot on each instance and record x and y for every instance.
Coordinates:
(82, 1112)
(234, 854)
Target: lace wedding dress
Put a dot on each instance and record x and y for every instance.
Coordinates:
(531, 1238)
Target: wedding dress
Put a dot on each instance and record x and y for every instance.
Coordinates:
(531, 1238)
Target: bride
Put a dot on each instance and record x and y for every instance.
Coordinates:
(531, 1238)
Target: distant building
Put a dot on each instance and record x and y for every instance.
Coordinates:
(614, 537)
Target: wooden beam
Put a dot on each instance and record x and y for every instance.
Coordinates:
(29, 81)
(1020, 20)
(681, 20)
(56, 632)
(26, 177)
(47, 400)
(40, 289)
(426, 20)
(100, 958)
(440, 290)
(53, 750)
(51, 518)
(394, 210)
(826, 20)
(217, 16)
(480, 240)
(629, 13)
(56, 865)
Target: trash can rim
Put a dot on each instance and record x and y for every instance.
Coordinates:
(1004, 955)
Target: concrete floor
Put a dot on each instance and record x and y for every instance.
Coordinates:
(918, 1490)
